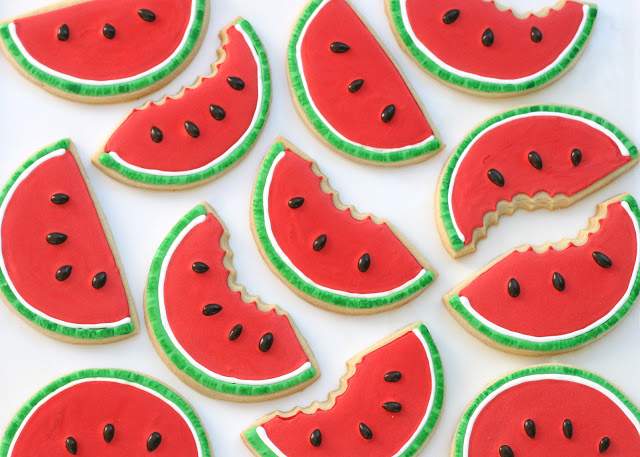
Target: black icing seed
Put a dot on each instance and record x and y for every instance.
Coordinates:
(365, 431)
(392, 406)
(316, 438)
(450, 16)
(319, 243)
(576, 157)
(266, 342)
(530, 428)
(71, 445)
(211, 309)
(200, 267)
(505, 451)
(338, 47)
(153, 441)
(393, 376)
(604, 444)
(364, 263)
(235, 332)
(63, 273)
(217, 112)
(513, 287)
(558, 281)
(63, 32)
(536, 35)
(99, 280)
(59, 238)
(235, 82)
(108, 432)
(496, 177)
(602, 260)
(535, 160)
(356, 85)
(567, 429)
(59, 199)
(192, 129)
(388, 113)
(296, 202)
(156, 134)
(147, 15)
(487, 37)
(109, 31)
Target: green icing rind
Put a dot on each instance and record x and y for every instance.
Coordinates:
(239, 152)
(537, 370)
(565, 344)
(161, 389)
(291, 276)
(445, 211)
(80, 333)
(483, 86)
(361, 152)
(414, 448)
(152, 304)
(87, 90)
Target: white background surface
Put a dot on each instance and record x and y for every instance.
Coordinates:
(604, 81)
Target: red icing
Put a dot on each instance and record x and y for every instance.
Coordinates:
(82, 411)
(361, 403)
(591, 291)
(32, 263)
(513, 53)
(137, 46)
(178, 151)
(206, 338)
(328, 75)
(548, 403)
(506, 149)
(336, 265)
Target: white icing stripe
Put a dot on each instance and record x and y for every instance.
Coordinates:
(262, 433)
(543, 377)
(165, 322)
(229, 151)
(3, 267)
(114, 380)
(317, 111)
(296, 270)
(487, 79)
(546, 339)
(92, 82)
(594, 125)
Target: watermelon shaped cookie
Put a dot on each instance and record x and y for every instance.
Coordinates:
(104, 51)
(328, 253)
(480, 47)
(532, 157)
(59, 268)
(99, 412)
(193, 137)
(350, 91)
(592, 279)
(549, 410)
(208, 330)
(388, 404)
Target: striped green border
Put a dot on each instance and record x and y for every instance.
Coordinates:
(106, 160)
(323, 129)
(445, 212)
(483, 86)
(113, 89)
(416, 445)
(562, 345)
(152, 304)
(80, 333)
(458, 443)
(291, 276)
(128, 376)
